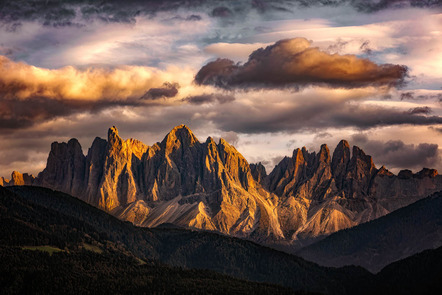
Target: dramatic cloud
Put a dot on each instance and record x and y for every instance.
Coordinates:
(208, 98)
(376, 5)
(22, 81)
(166, 91)
(17, 114)
(75, 12)
(294, 63)
(397, 154)
(30, 95)
(94, 64)
(312, 113)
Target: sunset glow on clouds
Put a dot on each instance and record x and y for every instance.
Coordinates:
(282, 75)
(22, 81)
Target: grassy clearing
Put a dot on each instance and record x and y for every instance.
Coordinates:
(92, 248)
(48, 249)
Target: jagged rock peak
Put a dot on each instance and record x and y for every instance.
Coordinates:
(112, 130)
(344, 144)
(324, 154)
(17, 178)
(358, 153)
(341, 157)
(112, 136)
(61, 148)
(298, 154)
(222, 141)
(73, 143)
(341, 153)
(226, 148)
(4, 181)
(258, 172)
(384, 171)
(426, 172)
(21, 179)
(181, 134)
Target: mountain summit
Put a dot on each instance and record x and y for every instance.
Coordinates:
(179, 180)
(209, 185)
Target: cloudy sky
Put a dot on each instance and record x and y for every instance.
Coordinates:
(268, 76)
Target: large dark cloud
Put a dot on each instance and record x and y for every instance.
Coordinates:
(151, 123)
(59, 13)
(316, 116)
(62, 13)
(294, 63)
(31, 95)
(18, 114)
(209, 98)
(79, 12)
(397, 154)
(376, 5)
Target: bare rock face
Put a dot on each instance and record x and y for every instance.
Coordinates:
(95, 160)
(4, 181)
(341, 157)
(18, 179)
(178, 180)
(118, 183)
(360, 172)
(259, 173)
(425, 172)
(384, 172)
(319, 196)
(65, 168)
(211, 186)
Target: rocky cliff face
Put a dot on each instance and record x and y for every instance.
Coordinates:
(319, 196)
(18, 179)
(211, 186)
(180, 180)
(258, 172)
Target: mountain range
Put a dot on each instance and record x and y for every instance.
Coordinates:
(210, 185)
(54, 243)
(69, 225)
(373, 245)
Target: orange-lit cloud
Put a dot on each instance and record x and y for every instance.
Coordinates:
(31, 95)
(22, 81)
(293, 62)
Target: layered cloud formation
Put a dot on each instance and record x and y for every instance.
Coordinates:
(59, 13)
(22, 81)
(29, 95)
(269, 76)
(294, 63)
